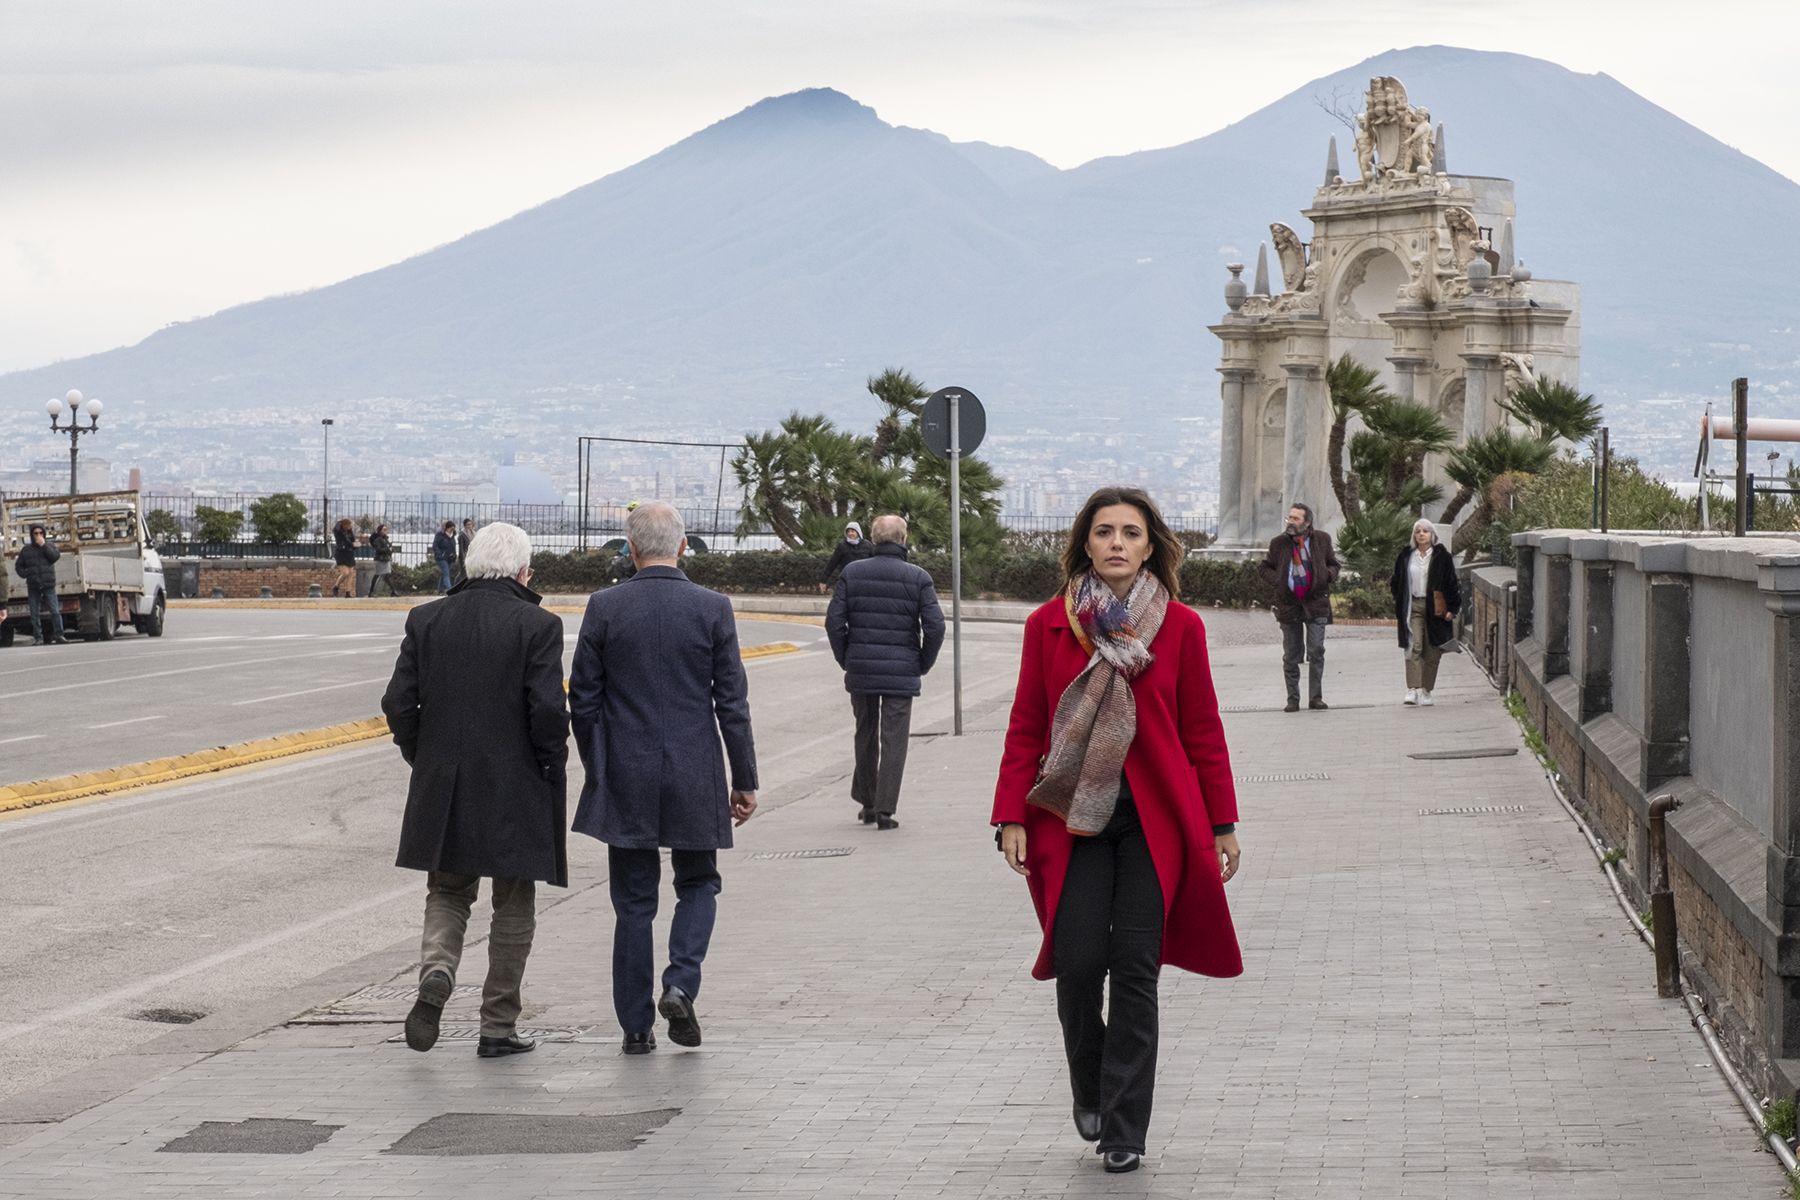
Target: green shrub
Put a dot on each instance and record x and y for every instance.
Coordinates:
(216, 524)
(278, 518)
(1210, 582)
(757, 571)
(1363, 603)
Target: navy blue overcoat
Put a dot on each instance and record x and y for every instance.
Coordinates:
(656, 681)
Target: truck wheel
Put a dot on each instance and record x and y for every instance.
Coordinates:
(109, 618)
(152, 625)
(98, 618)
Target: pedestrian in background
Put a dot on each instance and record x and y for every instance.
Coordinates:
(885, 628)
(382, 547)
(1427, 597)
(443, 553)
(476, 706)
(853, 548)
(657, 682)
(462, 545)
(1300, 568)
(343, 554)
(37, 569)
(1115, 801)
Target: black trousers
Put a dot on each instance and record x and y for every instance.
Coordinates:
(635, 879)
(883, 724)
(1109, 922)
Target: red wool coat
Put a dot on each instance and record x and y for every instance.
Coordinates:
(1180, 775)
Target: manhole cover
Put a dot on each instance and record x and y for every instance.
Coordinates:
(468, 1031)
(1478, 810)
(461, 1134)
(257, 1135)
(829, 852)
(1448, 755)
(1284, 777)
(169, 1016)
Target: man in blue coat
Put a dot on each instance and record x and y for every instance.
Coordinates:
(657, 679)
(886, 629)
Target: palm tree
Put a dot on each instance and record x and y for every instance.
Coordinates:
(1478, 466)
(1393, 448)
(902, 395)
(1354, 389)
(806, 467)
(1554, 411)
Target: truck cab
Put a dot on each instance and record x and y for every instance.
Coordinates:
(109, 574)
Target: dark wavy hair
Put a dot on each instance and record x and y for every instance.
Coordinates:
(1166, 550)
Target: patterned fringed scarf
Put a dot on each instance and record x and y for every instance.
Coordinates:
(1097, 716)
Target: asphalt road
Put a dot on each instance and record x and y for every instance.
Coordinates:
(216, 677)
(225, 891)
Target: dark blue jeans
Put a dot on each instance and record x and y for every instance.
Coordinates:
(635, 878)
(44, 598)
(443, 574)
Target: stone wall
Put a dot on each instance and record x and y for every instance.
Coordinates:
(1655, 666)
(244, 578)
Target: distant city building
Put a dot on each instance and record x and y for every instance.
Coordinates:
(1410, 270)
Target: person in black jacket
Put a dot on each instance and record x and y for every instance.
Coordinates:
(443, 553)
(1427, 598)
(343, 554)
(476, 706)
(462, 546)
(885, 628)
(383, 548)
(37, 568)
(854, 548)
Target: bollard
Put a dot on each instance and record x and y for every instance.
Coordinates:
(218, 593)
(313, 592)
(1662, 900)
(268, 593)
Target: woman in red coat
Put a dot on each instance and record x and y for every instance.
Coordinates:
(1115, 801)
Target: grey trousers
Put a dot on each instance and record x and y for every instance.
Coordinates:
(1304, 639)
(448, 899)
(883, 724)
(1421, 656)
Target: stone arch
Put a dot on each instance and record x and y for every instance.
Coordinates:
(1367, 284)
(1450, 404)
(1271, 453)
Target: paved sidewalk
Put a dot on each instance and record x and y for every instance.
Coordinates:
(1435, 1005)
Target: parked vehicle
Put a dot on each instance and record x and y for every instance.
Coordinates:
(109, 574)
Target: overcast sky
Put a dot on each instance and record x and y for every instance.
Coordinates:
(162, 161)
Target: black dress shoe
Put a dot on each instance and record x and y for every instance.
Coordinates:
(512, 1043)
(422, 1021)
(1117, 1162)
(684, 1026)
(1292, 706)
(640, 1043)
(882, 821)
(1317, 704)
(866, 816)
(1087, 1123)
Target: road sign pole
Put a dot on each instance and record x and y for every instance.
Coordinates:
(956, 561)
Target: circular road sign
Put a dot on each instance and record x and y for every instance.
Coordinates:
(934, 422)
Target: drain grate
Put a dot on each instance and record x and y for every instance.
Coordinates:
(1479, 752)
(458, 1134)
(1261, 708)
(169, 1016)
(828, 852)
(257, 1135)
(468, 1031)
(1283, 777)
(378, 1004)
(1478, 810)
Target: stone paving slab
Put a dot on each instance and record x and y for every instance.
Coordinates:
(1434, 1006)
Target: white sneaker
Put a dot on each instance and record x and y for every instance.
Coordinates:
(1412, 697)
(1425, 700)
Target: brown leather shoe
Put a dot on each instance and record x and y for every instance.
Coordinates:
(1292, 706)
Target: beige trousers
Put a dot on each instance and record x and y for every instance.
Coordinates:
(1421, 656)
(448, 899)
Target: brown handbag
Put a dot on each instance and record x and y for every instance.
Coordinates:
(1440, 605)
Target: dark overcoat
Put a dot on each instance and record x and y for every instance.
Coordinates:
(657, 679)
(1325, 567)
(476, 706)
(884, 624)
(37, 565)
(1440, 576)
(844, 554)
(1178, 767)
(343, 546)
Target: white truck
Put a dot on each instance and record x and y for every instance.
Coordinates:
(109, 574)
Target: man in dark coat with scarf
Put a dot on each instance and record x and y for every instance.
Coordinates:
(1300, 568)
(476, 706)
(37, 568)
(657, 679)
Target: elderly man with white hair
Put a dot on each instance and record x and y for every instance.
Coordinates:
(656, 682)
(476, 706)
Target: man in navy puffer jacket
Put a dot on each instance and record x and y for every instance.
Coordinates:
(886, 629)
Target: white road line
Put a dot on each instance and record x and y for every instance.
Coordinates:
(331, 687)
(256, 946)
(242, 662)
(132, 721)
(29, 737)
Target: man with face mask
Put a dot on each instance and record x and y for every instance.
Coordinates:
(1300, 568)
(854, 548)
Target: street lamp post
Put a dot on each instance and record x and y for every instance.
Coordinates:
(325, 487)
(73, 405)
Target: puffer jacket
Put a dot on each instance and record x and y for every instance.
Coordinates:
(37, 565)
(343, 546)
(884, 624)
